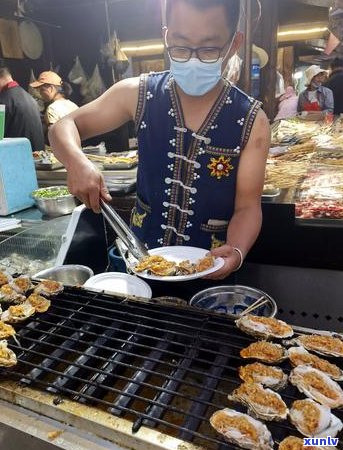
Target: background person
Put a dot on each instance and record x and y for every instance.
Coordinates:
(22, 117)
(335, 83)
(316, 98)
(288, 104)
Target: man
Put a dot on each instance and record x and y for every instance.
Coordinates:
(22, 117)
(335, 83)
(202, 143)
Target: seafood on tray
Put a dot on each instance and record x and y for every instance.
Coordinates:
(265, 351)
(160, 266)
(22, 284)
(268, 376)
(241, 429)
(7, 356)
(295, 443)
(9, 295)
(18, 313)
(264, 327)
(48, 288)
(299, 356)
(328, 345)
(262, 403)
(314, 420)
(318, 386)
(40, 304)
(6, 330)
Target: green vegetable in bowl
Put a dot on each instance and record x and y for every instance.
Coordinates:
(51, 193)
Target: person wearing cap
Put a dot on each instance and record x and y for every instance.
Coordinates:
(54, 92)
(316, 97)
(22, 118)
(288, 104)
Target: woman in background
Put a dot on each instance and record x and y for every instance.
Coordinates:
(316, 98)
(288, 104)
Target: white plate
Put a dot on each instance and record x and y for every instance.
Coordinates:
(120, 283)
(178, 254)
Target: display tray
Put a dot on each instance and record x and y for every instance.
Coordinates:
(121, 186)
(120, 166)
(40, 165)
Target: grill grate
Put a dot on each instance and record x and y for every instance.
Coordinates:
(159, 366)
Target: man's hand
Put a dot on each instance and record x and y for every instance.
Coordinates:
(232, 261)
(87, 183)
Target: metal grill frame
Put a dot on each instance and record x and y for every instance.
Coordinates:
(190, 338)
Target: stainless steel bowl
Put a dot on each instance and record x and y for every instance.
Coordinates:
(57, 206)
(69, 275)
(233, 300)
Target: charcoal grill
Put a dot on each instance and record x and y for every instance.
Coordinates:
(150, 371)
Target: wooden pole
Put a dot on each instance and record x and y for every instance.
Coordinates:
(247, 11)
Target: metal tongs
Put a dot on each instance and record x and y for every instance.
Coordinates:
(131, 241)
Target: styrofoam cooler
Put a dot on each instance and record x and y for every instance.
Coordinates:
(17, 175)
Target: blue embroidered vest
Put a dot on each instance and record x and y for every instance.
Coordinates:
(186, 182)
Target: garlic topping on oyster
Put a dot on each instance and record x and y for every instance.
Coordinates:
(261, 403)
(314, 420)
(4, 278)
(40, 304)
(295, 443)
(6, 330)
(48, 288)
(265, 351)
(268, 376)
(299, 356)
(18, 313)
(324, 345)
(317, 385)
(242, 430)
(264, 327)
(22, 284)
(7, 356)
(9, 295)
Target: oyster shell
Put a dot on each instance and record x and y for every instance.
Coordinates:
(268, 376)
(262, 403)
(4, 278)
(48, 288)
(242, 430)
(265, 351)
(299, 356)
(186, 268)
(317, 386)
(9, 295)
(324, 345)
(6, 330)
(314, 420)
(40, 304)
(7, 356)
(22, 284)
(295, 443)
(18, 313)
(264, 327)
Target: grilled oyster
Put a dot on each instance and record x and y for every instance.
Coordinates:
(264, 327)
(265, 351)
(22, 284)
(295, 443)
(242, 430)
(204, 264)
(317, 385)
(4, 278)
(268, 376)
(324, 345)
(48, 288)
(6, 330)
(7, 356)
(18, 313)
(40, 304)
(314, 420)
(299, 356)
(157, 265)
(9, 295)
(262, 403)
(186, 268)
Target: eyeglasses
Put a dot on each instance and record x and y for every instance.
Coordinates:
(207, 55)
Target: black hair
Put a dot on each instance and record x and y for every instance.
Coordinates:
(65, 89)
(5, 72)
(232, 8)
(336, 63)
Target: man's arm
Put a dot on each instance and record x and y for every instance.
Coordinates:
(114, 108)
(246, 222)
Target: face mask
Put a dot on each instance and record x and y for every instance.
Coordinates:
(195, 77)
